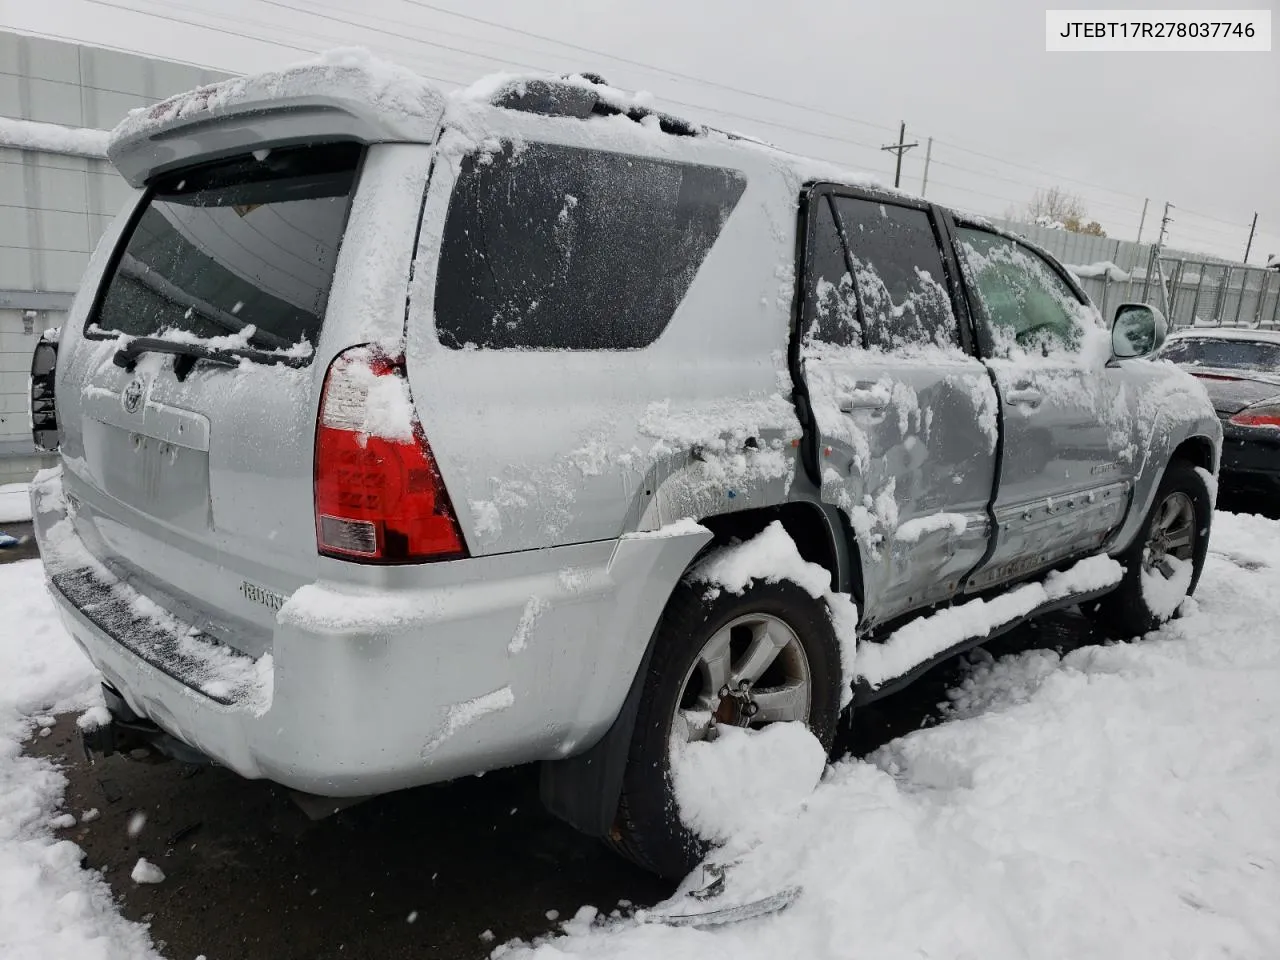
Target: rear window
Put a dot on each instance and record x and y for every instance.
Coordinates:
(244, 248)
(563, 248)
(1224, 354)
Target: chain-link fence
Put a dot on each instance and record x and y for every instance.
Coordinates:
(1192, 292)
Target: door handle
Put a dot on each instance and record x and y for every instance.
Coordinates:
(863, 400)
(1024, 397)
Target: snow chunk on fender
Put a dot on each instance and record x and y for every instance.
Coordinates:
(771, 556)
(744, 779)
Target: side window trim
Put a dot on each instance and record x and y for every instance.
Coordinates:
(942, 238)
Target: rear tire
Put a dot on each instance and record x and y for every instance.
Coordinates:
(648, 829)
(1131, 610)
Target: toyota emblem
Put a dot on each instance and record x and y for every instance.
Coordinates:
(132, 396)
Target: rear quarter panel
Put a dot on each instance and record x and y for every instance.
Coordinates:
(546, 447)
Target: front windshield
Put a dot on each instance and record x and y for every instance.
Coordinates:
(1221, 353)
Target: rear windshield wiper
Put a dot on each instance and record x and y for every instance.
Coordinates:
(188, 353)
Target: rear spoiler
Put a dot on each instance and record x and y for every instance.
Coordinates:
(343, 95)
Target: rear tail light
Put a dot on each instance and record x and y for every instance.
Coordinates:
(1262, 415)
(44, 414)
(379, 496)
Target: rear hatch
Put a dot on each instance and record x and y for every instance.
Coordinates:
(188, 406)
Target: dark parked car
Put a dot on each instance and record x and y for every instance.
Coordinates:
(1241, 371)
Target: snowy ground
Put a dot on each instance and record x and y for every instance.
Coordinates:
(1121, 801)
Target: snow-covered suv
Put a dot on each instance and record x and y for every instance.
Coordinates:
(407, 436)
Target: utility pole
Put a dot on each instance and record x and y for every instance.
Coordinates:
(1164, 223)
(899, 148)
(928, 152)
(1249, 246)
(1143, 222)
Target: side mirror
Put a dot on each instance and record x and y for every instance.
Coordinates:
(1138, 330)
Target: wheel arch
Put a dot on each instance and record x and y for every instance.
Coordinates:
(1195, 448)
(584, 790)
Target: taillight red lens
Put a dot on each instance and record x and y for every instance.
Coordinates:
(378, 493)
(1262, 416)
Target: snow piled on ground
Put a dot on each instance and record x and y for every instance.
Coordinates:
(1121, 801)
(50, 909)
(728, 786)
(15, 503)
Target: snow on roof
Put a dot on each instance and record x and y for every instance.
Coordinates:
(401, 105)
(53, 138)
(407, 105)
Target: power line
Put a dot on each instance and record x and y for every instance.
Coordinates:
(401, 37)
(648, 66)
(466, 52)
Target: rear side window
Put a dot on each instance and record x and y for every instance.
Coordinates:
(243, 248)
(898, 271)
(562, 248)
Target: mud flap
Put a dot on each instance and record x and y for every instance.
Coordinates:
(583, 790)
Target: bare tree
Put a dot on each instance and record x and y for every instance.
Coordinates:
(1056, 207)
(1055, 204)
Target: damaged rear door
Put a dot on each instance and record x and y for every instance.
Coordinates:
(905, 414)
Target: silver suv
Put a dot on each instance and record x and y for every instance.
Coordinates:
(401, 435)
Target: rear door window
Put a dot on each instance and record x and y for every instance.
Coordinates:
(899, 275)
(563, 248)
(244, 248)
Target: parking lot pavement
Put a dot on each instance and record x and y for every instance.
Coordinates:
(447, 871)
(23, 551)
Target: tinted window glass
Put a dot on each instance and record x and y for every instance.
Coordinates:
(557, 247)
(1021, 302)
(899, 275)
(1224, 354)
(830, 301)
(242, 243)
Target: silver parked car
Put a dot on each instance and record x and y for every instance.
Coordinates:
(400, 431)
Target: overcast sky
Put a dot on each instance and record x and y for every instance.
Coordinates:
(1199, 130)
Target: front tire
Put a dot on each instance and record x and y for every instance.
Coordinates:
(773, 634)
(1163, 565)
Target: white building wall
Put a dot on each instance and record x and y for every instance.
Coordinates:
(55, 207)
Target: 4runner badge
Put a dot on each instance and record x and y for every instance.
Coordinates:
(132, 396)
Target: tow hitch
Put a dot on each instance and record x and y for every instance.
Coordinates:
(133, 736)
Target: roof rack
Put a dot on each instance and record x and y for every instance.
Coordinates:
(581, 97)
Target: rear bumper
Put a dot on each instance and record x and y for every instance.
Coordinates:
(367, 690)
(1251, 458)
